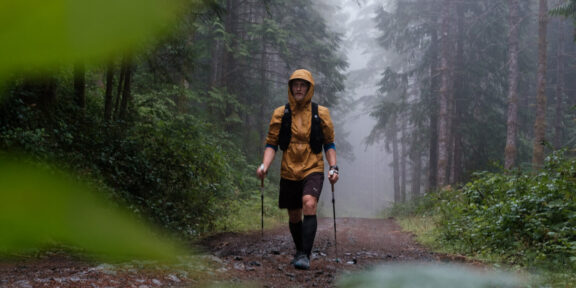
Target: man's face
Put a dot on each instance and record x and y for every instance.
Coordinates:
(299, 89)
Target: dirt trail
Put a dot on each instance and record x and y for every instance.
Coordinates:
(361, 243)
(235, 258)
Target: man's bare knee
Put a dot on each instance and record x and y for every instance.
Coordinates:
(309, 205)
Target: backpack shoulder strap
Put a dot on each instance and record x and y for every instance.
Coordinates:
(316, 133)
(314, 109)
(285, 128)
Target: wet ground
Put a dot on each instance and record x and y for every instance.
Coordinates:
(362, 243)
(236, 258)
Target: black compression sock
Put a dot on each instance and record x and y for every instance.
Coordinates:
(309, 226)
(296, 231)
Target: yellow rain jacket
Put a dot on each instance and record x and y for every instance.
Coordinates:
(298, 161)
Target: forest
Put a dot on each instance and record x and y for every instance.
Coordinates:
(163, 108)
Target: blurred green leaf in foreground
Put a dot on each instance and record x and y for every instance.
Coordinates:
(38, 208)
(40, 33)
(428, 276)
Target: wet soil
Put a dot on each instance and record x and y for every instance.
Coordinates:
(250, 259)
(362, 243)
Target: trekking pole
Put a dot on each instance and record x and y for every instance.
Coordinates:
(334, 214)
(262, 200)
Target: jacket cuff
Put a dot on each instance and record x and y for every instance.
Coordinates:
(275, 147)
(329, 146)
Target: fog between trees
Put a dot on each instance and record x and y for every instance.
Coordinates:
(419, 91)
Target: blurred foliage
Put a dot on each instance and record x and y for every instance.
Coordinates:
(41, 206)
(168, 168)
(180, 157)
(40, 33)
(430, 276)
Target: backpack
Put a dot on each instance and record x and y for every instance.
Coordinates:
(316, 134)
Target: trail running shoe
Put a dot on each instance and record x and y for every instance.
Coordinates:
(302, 262)
(298, 253)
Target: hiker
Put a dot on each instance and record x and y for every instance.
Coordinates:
(301, 129)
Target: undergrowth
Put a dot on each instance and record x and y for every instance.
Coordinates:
(521, 220)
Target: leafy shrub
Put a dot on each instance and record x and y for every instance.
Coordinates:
(528, 219)
(174, 169)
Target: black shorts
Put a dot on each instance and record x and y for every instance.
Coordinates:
(291, 192)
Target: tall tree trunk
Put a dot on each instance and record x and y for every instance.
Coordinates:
(108, 96)
(540, 122)
(403, 160)
(433, 104)
(416, 173)
(216, 55)
(119, 89)
(512, 121)
(457, 106)
(456, 158)
(444, 101)
(395, 158)
(180, 99)
(261, 120)
(126, 89)
(80, 86)
(558, 120)
(228, 67)
(570, 53)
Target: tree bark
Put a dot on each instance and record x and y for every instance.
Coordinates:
(457, 106)
(433, 104)
(108, 96)
(540, 122)
(512, 116)
(416, 173)
(80, 86)
(396, 158)
(262, 127)
(444, 101)
(126, 89)
(403, 161)
(560, 87)
(119, 89)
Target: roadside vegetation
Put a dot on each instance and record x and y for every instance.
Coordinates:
(518, 220)
(162, 111)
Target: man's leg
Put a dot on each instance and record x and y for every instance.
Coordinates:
(295, 223)
(309, 224)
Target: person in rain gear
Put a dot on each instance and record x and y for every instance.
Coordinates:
(302, 168)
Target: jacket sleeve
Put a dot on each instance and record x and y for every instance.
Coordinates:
(274, 128)
(327, 126)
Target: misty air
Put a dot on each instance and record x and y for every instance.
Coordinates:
(269, 143)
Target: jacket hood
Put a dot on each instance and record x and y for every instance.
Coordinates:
(304, 75)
